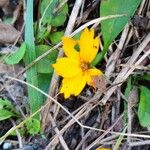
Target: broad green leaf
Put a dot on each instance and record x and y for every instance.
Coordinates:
(50, 16)
(14, 58)
(44, 81)
(112, 27)
(7, 110)
(5, 103)
(5, 114)
(45, 64)
(47, 7)
(55, 37)
(33, 126)
(64, 8)
(42, 33)
(59, 17)
(58, 20)
(53, 13)
(144, 107)
(144, 77)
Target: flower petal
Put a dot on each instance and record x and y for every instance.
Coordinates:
(88, 45)
(67, 67)
(73, 86)
(94, 72)
(90, 73)
(68, 47)
(66, 82)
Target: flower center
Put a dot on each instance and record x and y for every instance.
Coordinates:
(84, 66)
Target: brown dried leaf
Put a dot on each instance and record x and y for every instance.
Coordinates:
(8, 6)
(8, 34)
(99, 82)
(133, 97)
(10, 70)
(4, 3)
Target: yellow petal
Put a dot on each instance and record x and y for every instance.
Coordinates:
(94, 72)
(65, 88)
(90, 73)
(88, 45)
(68, 47)
(103, 148)
(73, 86)
(67, 67)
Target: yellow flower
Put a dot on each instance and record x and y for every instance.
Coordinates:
(103, 148)
(76, 68)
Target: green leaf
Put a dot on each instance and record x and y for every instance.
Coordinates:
(112, 27)
(22, 132)
(47, 7)
(5, 114)
(45, 64)
(42, 33)
(58, 20)
(49, 16)
(144, 107)
(5, 103)
(14, 58)
(34, 97)
(55, 37)
(33, 126)
(44, 81)
(60, 16)
(52, 15)
(145, 77)
(7, 110)
(64, 8)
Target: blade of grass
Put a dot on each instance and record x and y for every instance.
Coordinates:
(119, 140)
(34, 96)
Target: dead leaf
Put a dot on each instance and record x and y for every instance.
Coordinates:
(8, 50)
(133, 97)
(140, 22)
(8, 6)
(8, 34)
(99, 82)
(4, 3)
(10, 70)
